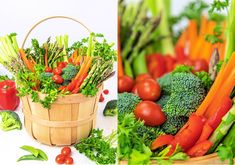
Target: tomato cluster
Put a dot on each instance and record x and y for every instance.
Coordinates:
(57, 72)
(64, 156)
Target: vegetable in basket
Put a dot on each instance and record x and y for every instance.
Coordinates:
(10, 121)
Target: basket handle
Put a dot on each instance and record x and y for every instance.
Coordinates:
(53, 17)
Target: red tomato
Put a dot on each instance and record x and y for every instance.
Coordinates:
(125, 84)
(149, 89)
(60, 159)
(48, 69)
(142, 77)
(200, 65)
(57, 71)
(101, 99)
(180, 53)
(215, 120)
(161, 141)
(156, 65)
(170, 62)
(134, 90)
(57, 79)
(69, 160)
(106, 91)
(66, 151)
(192, 131)
(150, 112)
(188, 62)
(62, 65)
(199, 149)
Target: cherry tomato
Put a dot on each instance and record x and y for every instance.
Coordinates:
(57, 79)
(170, 62)
(68, 160)
(66, 151)
(180, 53)
(106, 91)
(142, 77)
(48, 69)
(57, 71)
(200, 65)
(188, 62)
(60, 159)
(149, 89)
(199, 149)
(156, 65)
(125, 84)
(62, 65)
(161, 141)
(134, 90)
(101, 99)
(150, 112)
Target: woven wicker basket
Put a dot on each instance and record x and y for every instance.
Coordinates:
(70, 118)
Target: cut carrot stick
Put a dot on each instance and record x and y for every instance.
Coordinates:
(85, 67)
(203, 25)
(120, 65)
(193, 34)
(27, 63)
(46, 58)
(197, 48)
(182, 39)
(75, 55)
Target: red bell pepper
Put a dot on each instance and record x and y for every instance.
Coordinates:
(8, 98)
(206, 132)
(187, 137)
(215, 120)
(161, 141)
(199, 149)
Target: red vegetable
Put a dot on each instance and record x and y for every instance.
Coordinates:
(57, 79)
(134, 90)
(206, 132)
(199, 149)
(60, 159)
(66, 151)
(170, 62)
(106, 91)
(142, 77)
(150, 112)
(200, 65)
(215, 120)
(57, 71)
(156, 65)
(187, 137)
(149, 89)
(78, 83)
(101, 99)
(68, 160)
(125, 84)
(48, 69)
(8, 98)
(161, 141)
(62, 65)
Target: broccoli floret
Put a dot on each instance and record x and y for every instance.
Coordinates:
(127, 103)
(206, 80)
(110, 108)
(65, 83)
(69, 72)
(187, 94)
(148, 134)
(46, 75)
(165, 84)
(10, 120)
(173, 124)
(163, 100)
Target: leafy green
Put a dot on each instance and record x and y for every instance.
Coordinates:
(216, 36)
(98, 148)
(5, 77)
(206, 80)
(226, 152)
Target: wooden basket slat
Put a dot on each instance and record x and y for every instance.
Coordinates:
(74, 112)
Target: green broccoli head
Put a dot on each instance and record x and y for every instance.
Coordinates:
(10, 120)
(165, 84)
(45, 76)
(127, 103)
(69, 72)
(110, 108)
(173, 124)
(163, 100)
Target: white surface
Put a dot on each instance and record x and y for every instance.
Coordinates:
(18, 16)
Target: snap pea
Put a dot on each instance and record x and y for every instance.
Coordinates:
(30, 157)
(30, 149)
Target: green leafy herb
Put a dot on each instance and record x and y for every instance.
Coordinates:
(98, 148)
(205, 77)
(216, 36)
(5, 77)
(226, 152)
(219, 5)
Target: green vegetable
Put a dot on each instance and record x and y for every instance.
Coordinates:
(173, 124)
(205, 78)
(165, 83)
(69, 72)
(36, 154)
(98, 148)
(126, 103)
(183, 69)
(46, 76)
(110, 108)
(222, 129)
(216, 36)
(5, 77)
(63, 42)
(10, 121)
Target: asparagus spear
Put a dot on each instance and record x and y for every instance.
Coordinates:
(222, 129)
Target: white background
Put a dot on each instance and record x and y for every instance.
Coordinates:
(18, 16)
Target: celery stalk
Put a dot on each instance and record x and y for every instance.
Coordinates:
(139, 64)
(230, 46)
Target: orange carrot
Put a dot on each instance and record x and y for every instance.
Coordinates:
(85, 67)
(182, 39)
(27, 63)
(75, 55)
(192, 31)
(46, 58)
(203, 25)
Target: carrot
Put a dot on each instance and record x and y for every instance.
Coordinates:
(27, 63)
(78, 59)
(203, 25)
(182, 39)
(120, 66)
(192, 32)
(79, 83)
(85, 67)
(211, 94)
(197, 47)
(46, 58)
(75, 55)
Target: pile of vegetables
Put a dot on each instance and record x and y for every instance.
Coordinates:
(182, 106)
(54, 68)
